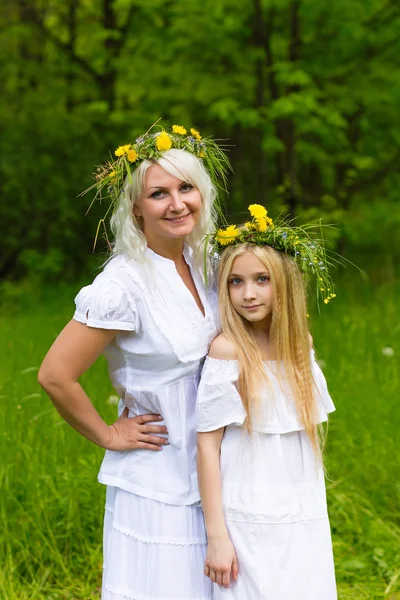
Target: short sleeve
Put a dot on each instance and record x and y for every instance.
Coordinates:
(324, 400)
(106, 304)
(218, 401)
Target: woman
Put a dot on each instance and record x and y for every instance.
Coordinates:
(151, 315)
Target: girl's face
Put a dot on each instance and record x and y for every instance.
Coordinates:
(168, 206)
(250, 288)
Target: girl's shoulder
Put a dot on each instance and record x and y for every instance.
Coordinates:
(222, 349)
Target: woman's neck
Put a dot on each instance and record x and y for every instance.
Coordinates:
(168, 248)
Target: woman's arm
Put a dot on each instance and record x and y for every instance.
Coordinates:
(221, 562)
(74, 351)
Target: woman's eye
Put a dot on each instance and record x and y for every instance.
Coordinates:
(235, 281)
(263, 278)
(157, 194)
(186, 187)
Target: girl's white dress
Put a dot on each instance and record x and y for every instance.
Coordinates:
(154, 537)
(273, 488)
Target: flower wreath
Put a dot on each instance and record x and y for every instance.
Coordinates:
(110, 177)
(308, 251)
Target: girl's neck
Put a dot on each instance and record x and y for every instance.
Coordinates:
(264, 342)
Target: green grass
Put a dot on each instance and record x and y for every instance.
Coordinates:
(51, 506)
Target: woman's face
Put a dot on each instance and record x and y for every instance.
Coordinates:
(168, 206)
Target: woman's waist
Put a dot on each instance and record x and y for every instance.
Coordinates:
(170, 471)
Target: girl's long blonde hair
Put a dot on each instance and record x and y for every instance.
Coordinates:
(288, 333)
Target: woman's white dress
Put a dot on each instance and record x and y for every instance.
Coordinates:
(154, 537)
(273, 488)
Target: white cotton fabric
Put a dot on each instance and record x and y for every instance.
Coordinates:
(273, 488)
(154, 537)
(154, 365)
(153, 551)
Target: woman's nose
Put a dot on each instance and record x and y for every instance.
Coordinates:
(177, 203)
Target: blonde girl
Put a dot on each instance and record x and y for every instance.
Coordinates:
(260, 400)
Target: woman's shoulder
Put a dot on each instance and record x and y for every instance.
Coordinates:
(120, 272)
(222, 348)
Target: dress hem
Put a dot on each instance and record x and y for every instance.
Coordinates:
(126, 594)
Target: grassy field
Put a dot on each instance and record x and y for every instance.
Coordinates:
(51, 506)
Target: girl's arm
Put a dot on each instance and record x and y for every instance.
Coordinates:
(74, 351)
(221, 562)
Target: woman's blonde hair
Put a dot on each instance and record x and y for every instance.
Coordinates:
(288, 333)
(129, 237)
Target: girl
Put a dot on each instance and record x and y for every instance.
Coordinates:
(151, 315)
(260, 400)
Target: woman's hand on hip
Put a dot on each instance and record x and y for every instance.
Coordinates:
(137, 433)
(221, 562)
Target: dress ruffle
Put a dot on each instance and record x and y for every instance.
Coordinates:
(153, 551)
(219, 403)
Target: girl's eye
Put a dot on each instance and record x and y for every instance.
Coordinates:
(235, 281)
(186, 187)
(263, 278)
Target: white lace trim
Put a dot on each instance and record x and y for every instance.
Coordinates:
(157, 540)
(124, 593)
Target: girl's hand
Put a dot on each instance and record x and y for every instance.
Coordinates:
(136, 433)
(221, 561)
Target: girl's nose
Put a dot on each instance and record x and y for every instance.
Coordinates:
(249, 293)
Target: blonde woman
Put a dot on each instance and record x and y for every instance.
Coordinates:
(260, 399)
(151, 315)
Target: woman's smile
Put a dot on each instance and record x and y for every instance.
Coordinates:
(180, 219)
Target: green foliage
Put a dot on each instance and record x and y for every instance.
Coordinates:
(306, 90)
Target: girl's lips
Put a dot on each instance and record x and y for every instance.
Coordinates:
(179, 219)
(252, 307)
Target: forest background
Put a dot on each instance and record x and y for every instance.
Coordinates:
(307, 92)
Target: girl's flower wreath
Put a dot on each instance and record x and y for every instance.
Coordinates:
(308, 251)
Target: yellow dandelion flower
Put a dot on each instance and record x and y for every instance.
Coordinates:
(263, 223)
(202, 154)
(163, 141)
(179, 129)
(113, 173)
(132, 155)
(226, 236)
(121, 150)
(195, 134)
(249, 226)
(257, 211)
